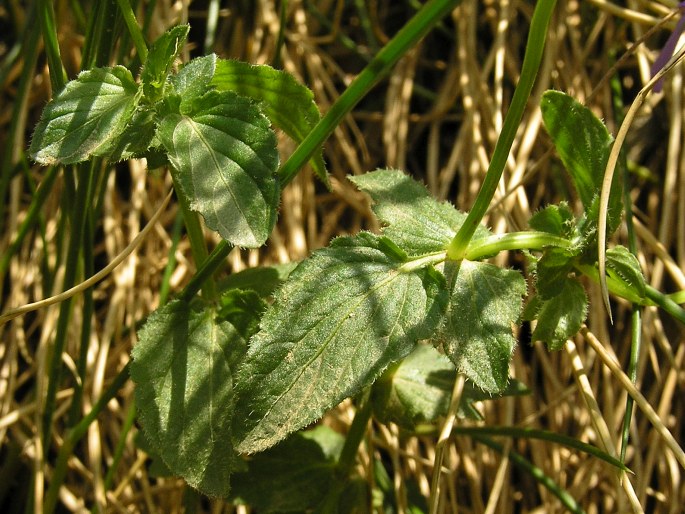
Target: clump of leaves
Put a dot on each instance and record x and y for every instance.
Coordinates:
(243, 372)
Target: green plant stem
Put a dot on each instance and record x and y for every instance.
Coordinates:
(415, 29)
(636, 314)
(280, 39)
(408, 36)
(531, 64)
(206, 270)
(15, 141)
(198, 246)
(121, 447)
(37, 202)
(74, 435)
(133, 28)
(348, 455)
(537, 473)
(78, 224)
(665, 302)
(543, 435)
(46, 16)
(531, 240)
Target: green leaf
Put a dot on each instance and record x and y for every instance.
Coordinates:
(243, 310)
(552, 272)
(477, 333)
(136, 138)
(160, 59)
(288, 104)
(224, 157)
(193, 80)
(561, 316)
(342, 317)
(624, 266)
(183, 366)
(295, 475)
(263, 280)
(412, 217)
(583, 144)
(554, 219)
(419, 389)
(86, 117)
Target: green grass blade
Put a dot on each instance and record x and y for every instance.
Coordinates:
(406, 38)
(531, 64)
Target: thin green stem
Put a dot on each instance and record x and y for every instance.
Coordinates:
(133, 28)
(37, 202)
(46, 16)
(74, 436)
(492, 245)
(206, 270)
(78, 223)
(537, 473)
(415, 29)
(665, 302)
(531, 64)
(280, 39)
(15, 139)
(348, 455)
(198, 246)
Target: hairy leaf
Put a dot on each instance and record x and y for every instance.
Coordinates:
(193, 80)
(183, 366)
(583, 144)
(136, 138)
(295, 475)
(419, 389)
(224, 158)
(288, 104)
(86, 117)
(552, 272)
(624, 266)
(414, 220)
(554, 219)
(342, 317)
(160, 59)
(477, 333)
(561, 316)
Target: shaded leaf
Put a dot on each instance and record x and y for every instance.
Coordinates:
(287, 103)
(419, 390)
(477, 336)
(413, 219)
(224, 157)
(561, 316)
(86, 117)
(583, 144)
(160, 59)
(264, 280)
(243, 309)
(342, 317)
(183, 366)
(552, 272)
(294, 475)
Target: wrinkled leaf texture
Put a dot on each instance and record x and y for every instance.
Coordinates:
(343, 316)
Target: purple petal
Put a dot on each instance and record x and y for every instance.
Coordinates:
(667, 50)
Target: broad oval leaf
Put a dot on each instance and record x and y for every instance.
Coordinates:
(183, 370)
(625, 267)
(477, 335)
(561, 316)
(224, 157)
(413, 219)
(342, 317)
(86, 117)
(293, 476)
(288, 104)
